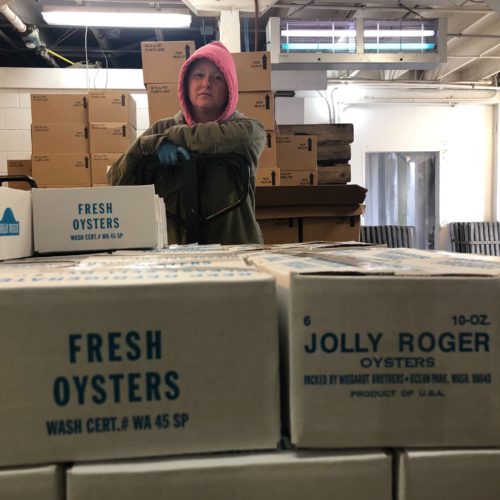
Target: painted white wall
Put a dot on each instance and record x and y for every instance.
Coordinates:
(464, 135)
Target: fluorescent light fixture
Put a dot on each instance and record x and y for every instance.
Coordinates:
(352, 33)
(104, 18)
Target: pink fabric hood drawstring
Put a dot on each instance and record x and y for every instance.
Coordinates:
(218, 54)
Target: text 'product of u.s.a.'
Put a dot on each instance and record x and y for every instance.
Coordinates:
(390, 347)
(16, 235)
(102, 361)
(99, 218)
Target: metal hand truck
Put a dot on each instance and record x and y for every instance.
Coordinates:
(190, 181)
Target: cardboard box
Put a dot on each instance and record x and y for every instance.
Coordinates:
(268, 157)
(253, 70)
(305, 224)
(389, 347)
(112, 106)
(311, 196)
(163, 101)
(16, 236)
(296, 152)
(298, 177)
(111, 137)
(339, 228)
(267, 176)
(43, 483)
(19, 167)
(266, 476)
(258, 105)
(448, 474)
(162, 61)
(276, 231)
(86, 219)
(100, 162)
(59, 138)
(136, 361)
(59, 108)
(62, 170)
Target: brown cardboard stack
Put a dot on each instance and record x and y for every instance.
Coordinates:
(256, 100)
(333, 149)
(60, 140)
(113, 123)
(296, 156)
(19, 167)
(161, 63)
(292, 214)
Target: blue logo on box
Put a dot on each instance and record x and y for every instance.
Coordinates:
(9, 226)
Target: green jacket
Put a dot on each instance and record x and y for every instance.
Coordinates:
(239, 135)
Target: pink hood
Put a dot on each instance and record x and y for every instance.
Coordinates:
(217, 53)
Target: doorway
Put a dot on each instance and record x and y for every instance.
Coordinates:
(403, 191)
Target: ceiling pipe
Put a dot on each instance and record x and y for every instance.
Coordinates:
(28, 32)
(367, 6)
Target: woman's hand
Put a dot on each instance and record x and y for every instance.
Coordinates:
(168, 153)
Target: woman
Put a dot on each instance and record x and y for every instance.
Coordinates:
(208, 123)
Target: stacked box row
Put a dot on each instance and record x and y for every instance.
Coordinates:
(380, 348)
(417, 475)
(76, 136)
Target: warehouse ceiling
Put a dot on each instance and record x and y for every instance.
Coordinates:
(473, 38)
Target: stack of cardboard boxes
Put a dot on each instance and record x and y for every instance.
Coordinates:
(60, 140)
(113, 123)
(256, 100)
(297, 156)
(105, 361)
(333, 149)
(161, 63)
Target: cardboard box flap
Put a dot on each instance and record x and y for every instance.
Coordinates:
(164, 262)
(305, 457)
(69, 276)
(349, 194)
(309, 264)
(376, 261)
(423, 262)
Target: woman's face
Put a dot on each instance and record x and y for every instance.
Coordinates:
(207, 91)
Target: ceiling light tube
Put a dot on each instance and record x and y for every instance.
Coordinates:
(103, 18)
(352, 33)
(402, 47)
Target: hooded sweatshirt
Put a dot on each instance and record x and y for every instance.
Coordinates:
(218, 54)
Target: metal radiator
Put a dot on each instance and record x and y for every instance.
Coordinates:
(475, 237)
(392, 236)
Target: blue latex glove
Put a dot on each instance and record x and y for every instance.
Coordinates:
(168, 153)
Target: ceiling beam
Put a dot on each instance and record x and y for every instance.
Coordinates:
(481, 70)
(480, 37)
